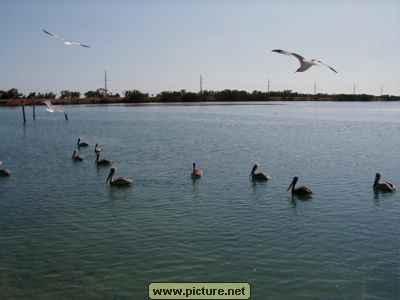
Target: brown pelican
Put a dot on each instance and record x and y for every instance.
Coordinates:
(196, 173)
(259, 176)
(102, 162)
(301, 191)
(82, 144)
(382, 186)
(5, 172)
(97, 148)
(119, 180)
(77, 156)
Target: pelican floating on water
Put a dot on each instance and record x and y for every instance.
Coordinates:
(77, 156)
(259, 176)
(383, 186)
(119, 180)
(51, 108)
(82, 144)
(196, 173)
(304, 63)
(301, 191)
(102, 162)
(97, 148)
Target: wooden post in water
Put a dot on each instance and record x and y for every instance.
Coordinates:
(34, 110)
(23, 110)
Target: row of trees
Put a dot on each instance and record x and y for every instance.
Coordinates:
(136, 96)
(15, 94)
(236, 95)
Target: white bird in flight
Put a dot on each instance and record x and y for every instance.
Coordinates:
(304, 63)
(51, 108)
(65, 41)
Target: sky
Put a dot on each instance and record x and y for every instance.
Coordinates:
(165, 45)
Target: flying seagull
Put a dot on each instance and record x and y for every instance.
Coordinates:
(65, 41)
(51, 108)
(304, 63)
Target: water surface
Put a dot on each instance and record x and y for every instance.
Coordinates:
(65, 233)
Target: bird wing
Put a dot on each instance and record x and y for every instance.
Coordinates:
(49, 105)
(318, 61)
(78, 44)
(298, 56)
(86, 46)
(52, 108)
(52, 34)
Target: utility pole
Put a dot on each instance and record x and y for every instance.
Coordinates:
(354, 88)
(105, 83)
(381, 90)
(269, 85)
(315, 88)
(201, 83)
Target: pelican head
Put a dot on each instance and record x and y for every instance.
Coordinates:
(378, 176)
(97, 148)
(111, 174)
(254, 169)
(73, 154)
(294, 181)
(79, 140)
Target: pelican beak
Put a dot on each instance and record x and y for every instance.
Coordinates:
(290, 186)
(109, 176)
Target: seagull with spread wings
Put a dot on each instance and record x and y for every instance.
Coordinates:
(65, 41)
(51, 108)
(304, 63)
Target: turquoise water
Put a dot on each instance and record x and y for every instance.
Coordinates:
(66, 234)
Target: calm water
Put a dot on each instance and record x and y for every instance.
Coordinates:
(65, 233)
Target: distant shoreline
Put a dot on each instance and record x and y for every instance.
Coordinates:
(124, 101)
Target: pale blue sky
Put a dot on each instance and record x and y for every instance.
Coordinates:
(165, 45)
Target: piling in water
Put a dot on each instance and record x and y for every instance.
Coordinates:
(34, 110)
(23, 110)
